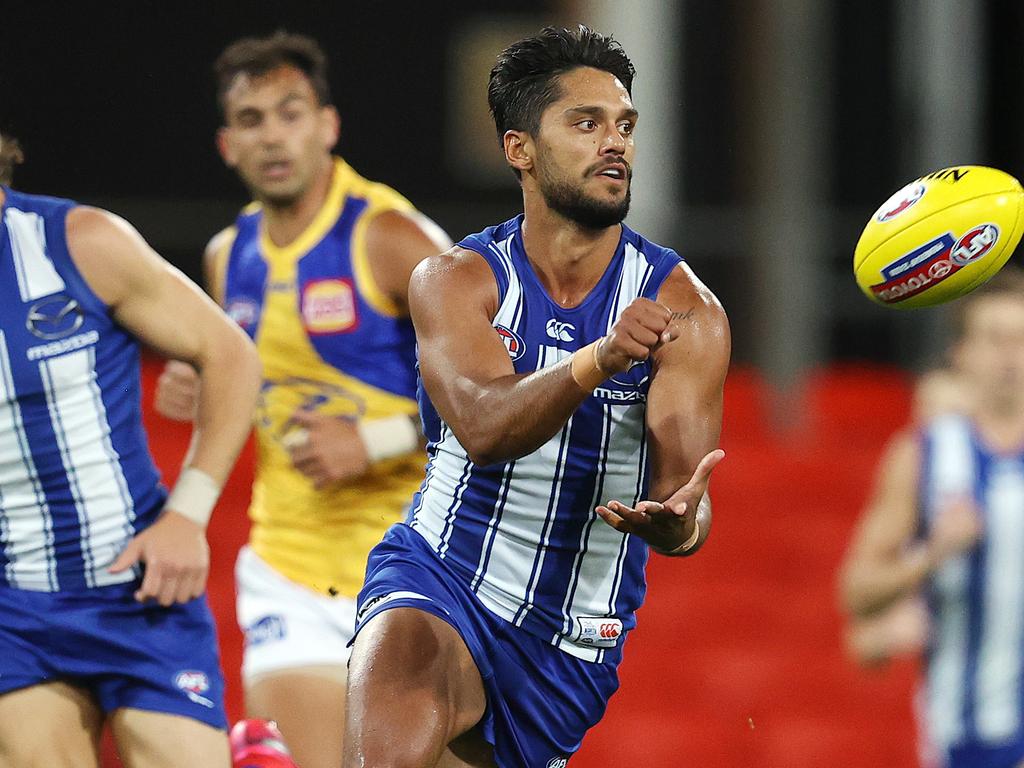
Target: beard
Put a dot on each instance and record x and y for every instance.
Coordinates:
(572, 202)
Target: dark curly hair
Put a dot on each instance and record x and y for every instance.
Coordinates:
(255, 56)
(524, 80)
(10, 156)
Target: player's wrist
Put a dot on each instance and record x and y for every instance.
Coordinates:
(687, 545)
(388, 438)
(194, 496)
(586, 368)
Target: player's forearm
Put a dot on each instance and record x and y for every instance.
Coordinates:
(869, 587)
(229, 381)
(513, 416)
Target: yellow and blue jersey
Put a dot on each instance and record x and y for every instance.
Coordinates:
(329, 341)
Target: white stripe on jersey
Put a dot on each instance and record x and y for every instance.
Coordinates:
(997, 698)
(105, 508)
(549, 519)
(24, 513)
(37, 277)
(952, 473)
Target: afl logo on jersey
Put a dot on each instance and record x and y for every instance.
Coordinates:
(329, 306)
(513, 343)
(54, 317)
(243, 311)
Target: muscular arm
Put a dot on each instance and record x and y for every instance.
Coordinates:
(883, 564)
(156, 303)
(684, 410)
(496, 414)
(396, 241)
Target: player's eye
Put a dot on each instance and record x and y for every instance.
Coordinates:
(587, 125)
(625, 128)
(248, 120)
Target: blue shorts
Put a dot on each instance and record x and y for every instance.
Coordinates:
(126, 653)
(540, 700)
(978, 756)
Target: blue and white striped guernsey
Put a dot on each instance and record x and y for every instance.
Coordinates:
(524, 534)
(974, 690)
(76, 478)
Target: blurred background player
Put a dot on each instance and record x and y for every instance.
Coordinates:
(946, 521)
(902, 627)
(103, 574)
(317, 272)
(491, 624)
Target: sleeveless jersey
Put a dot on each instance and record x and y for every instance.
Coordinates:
(524, 534)
(76, 478)
(329, 340)
(974, 692)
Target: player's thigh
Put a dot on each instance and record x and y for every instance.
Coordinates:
(409, 666)
(308, 704)
(52, 725)
(158, 740)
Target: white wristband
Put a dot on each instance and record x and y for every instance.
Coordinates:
(389, 437)
(194, 496)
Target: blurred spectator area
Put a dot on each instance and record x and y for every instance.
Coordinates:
(770, 129)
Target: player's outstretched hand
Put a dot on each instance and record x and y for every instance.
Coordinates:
(177, 391)
(663, 525)
(177, 560)
(326, 449)
(641, 328)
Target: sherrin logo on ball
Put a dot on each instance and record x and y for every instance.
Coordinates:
(940, 237)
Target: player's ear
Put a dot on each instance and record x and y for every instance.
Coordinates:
(518, 150)
(224, 147)
(331, 122)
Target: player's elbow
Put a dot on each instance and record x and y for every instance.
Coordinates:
(233, 355)
(481, 449)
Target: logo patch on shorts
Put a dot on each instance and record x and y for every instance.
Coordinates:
(265, 629)
(376, 602)
(599, 631)
(194, 684)
(557, 762)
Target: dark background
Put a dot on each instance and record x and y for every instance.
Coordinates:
(114, 105)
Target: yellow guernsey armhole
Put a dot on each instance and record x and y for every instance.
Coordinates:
(365, 282)
(219, 273)
(380, 199)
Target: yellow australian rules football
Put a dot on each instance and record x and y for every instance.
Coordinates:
(940, 237)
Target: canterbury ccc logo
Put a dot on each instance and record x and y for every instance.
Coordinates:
(609, 630)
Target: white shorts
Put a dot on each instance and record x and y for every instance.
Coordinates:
(285, 624)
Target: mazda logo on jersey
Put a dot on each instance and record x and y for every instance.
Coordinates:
(54, 317)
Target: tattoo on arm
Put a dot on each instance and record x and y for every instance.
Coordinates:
(682, 315)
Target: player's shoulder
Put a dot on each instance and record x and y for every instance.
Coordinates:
(220, 243)
(683, 291)
(458, 264)
(394, 232)
(88, 227)
(460, 273)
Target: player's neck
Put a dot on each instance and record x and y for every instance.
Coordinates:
(1001, 425)
(284, 223)
(568, 259)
